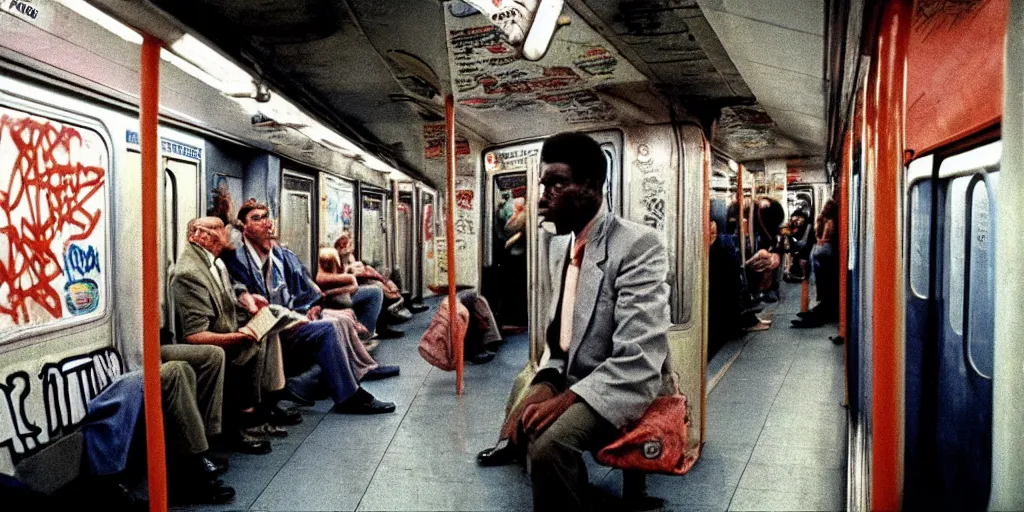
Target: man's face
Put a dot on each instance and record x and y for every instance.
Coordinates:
(212, 235)
(565, 204)
(796, 221)
(258, 226)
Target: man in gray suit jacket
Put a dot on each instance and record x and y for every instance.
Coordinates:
(607, 344)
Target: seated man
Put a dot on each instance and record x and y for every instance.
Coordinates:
(205, 306)
(114, 416)
(260, 267)
(607, 343)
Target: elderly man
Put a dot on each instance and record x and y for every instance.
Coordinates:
(257, 266)
(207, 311)
(607, 324)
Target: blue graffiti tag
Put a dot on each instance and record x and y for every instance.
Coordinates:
(81, 261)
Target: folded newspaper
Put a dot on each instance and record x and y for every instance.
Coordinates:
(271, 319)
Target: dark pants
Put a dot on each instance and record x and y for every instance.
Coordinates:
(560, 480)
(826, 278)
(317, 344)
(366, 302)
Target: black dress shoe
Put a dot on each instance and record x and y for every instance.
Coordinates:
(364, 403)
(282, 417)
(287, 394)
(388, 333)
(501, 454)
(484, 356)
(382, 372)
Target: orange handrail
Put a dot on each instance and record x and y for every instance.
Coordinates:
(149, 108)
(455, 340)
(886, 322)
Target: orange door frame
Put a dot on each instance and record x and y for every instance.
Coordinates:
(887, 296)
(149, 109)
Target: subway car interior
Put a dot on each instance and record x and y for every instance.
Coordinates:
(304, 255)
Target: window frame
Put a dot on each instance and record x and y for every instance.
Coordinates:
(21, 336)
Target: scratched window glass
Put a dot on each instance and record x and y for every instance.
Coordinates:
(52, 222)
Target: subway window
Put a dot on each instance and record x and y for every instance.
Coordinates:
(53, 223)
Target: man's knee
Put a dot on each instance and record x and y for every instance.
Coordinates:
(213, 356)
(547, 450)
(175, 374)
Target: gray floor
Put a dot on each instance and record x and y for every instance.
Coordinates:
(775, 436)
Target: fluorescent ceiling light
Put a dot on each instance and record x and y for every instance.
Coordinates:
(734, 166)
(233, 78)
(102, 19)
(191, 69)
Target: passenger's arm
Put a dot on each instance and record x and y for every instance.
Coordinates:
(334, 279)
(194, 306)
(626, 383)
(228, 339)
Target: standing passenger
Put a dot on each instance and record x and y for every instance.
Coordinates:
(607, 342)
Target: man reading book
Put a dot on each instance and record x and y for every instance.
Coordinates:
(207, 311)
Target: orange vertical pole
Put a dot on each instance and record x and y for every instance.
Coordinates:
(805, 292)
(844, 249)
(456, 340)
(886, 321)
(148, 111)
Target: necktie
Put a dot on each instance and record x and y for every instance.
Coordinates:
(222, 274)
(572, 274)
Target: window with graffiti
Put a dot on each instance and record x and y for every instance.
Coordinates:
(337, 211)
(53, 211)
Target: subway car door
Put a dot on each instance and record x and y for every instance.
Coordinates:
(373, 230)
(403, 238)
(950, 353)
(296, 229)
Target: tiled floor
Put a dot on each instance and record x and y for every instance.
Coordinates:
(775, 436)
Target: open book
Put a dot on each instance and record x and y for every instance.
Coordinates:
(264, 321)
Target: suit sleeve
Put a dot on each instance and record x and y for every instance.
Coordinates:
(622, 387)
(192, 304)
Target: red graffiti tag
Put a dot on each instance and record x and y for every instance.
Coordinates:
(464, 199)
(44, 198)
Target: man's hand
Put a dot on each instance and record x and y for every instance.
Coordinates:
(539, 394)
(538, 417)
(246, 338)
(252, 302)
(313, 313)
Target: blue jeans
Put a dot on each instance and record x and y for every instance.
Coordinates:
(317, 343)
(366, 302)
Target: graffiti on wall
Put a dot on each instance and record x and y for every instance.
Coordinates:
(653, 188)
(52, 195)
(66, 387)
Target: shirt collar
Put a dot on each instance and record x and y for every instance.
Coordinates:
(584, 236)
(254, 253)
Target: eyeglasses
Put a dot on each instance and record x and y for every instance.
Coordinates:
(259, 217)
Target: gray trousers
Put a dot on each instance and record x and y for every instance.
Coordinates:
(559, 475)
(207, 363)
(183, 424)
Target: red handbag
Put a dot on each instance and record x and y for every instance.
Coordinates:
(435, 347)
(658, 442)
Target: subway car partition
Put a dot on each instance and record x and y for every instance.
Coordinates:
(373, 244)
(950, 322)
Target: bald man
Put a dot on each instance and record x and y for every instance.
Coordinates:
(207, 312)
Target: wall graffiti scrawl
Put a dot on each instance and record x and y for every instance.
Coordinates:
(52, 220)
(65, 389)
